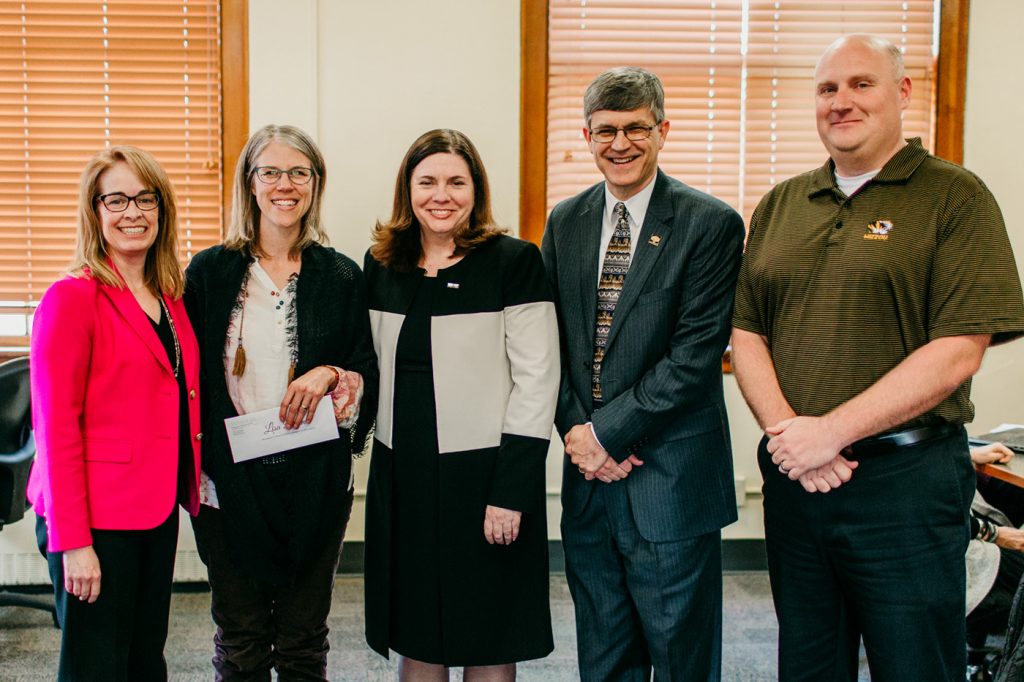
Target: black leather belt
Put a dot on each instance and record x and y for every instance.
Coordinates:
(890, 442)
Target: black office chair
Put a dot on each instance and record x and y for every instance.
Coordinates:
(17, 450)
(1011, 665)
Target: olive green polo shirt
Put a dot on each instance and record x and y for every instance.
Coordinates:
(844, 288)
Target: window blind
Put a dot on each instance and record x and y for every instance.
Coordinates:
(76, 77)
(738, 78)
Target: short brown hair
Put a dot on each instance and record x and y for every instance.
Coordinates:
(625, 88)
(162, 271)
(396, 243)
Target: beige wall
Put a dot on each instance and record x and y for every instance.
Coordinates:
(366, 78)
(993, 148)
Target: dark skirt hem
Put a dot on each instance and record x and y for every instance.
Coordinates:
(473, 662)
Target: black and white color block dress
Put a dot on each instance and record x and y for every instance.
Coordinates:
(469, 378)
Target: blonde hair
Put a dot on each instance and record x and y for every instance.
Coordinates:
(162, 270)
(243, 230)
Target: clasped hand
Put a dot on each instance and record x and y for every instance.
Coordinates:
(806, 450)
(304, 394)
(592, 460)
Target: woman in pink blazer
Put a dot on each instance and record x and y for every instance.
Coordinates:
(115, 406)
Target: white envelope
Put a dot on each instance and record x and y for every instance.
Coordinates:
(259, 434)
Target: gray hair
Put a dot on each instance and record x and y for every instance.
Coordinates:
(623, 89)
(243, 230)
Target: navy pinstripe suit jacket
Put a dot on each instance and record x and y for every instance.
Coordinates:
(661, 374)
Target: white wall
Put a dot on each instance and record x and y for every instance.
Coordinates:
(993, 148)
(366, 79)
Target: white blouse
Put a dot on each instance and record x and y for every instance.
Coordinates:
(263, 329)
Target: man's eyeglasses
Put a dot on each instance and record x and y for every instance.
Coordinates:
(118, 201)
(635, 133)
(271, 175)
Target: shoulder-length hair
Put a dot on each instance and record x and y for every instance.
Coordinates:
(244, 228)
(162, 270)
(396, 243)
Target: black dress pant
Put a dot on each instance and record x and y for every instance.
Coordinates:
(882, 558)
(260, 627)
(641, 605)
(120, 637)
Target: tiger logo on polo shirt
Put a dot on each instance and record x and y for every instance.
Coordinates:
(879, 230)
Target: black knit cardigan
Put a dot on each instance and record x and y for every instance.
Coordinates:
(273, 529)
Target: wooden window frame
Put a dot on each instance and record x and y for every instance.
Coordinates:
(234, 65)
(951, 80)
(235, 122)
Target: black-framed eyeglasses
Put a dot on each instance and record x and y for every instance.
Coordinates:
(299, 175)
(118, 201)
(635, 133)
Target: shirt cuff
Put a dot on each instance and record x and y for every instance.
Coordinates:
(594, 434)
(347, 396)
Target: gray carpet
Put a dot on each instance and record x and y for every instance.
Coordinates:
(29, 643)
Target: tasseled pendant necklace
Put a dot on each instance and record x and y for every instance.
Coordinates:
(239, 364)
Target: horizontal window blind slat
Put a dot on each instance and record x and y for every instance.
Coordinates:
(68, 88)
(707, 67)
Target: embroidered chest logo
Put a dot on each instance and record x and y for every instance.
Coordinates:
(879, 230)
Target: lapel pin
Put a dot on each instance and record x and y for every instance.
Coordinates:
(453, 285)
(654, 240)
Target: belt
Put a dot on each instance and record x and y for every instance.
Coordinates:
(274, 459)
(890, 442)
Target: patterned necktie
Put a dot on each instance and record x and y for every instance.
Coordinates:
(613, 274)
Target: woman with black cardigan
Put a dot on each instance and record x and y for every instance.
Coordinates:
(282, 323)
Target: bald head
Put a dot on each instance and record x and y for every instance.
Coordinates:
(883, 47)
(860, 95)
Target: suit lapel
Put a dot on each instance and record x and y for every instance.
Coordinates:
(139, 322)
(588, 232)
(652, 242)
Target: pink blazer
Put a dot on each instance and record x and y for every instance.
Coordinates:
(105, 411)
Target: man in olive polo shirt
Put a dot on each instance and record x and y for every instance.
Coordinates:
(869, 291)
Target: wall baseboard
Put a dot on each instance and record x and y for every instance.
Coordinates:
(29, 568)
(737, 555)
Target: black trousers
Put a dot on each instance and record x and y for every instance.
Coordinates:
(120, 637)
(882, 558)
(260, 628)
(641, 605)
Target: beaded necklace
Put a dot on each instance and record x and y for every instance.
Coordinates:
(174, 335)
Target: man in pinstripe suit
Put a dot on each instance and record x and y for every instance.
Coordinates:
(643, 269)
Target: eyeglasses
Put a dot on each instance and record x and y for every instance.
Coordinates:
(271, 175)
(635, 133)
(118, 201)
